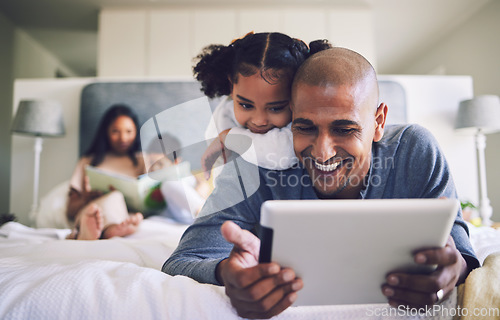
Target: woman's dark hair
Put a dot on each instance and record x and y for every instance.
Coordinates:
(101, 145)
(273, 54)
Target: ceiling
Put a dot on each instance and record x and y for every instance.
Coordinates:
(403, 29)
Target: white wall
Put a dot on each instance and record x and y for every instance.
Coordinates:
(432, 102)
(163, 41)
(6, 78)
(20, 57)
(473, 49)
(34, 61)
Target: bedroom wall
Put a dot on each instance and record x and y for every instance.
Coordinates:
(32, 60)
(163, 41)
(6, 86)
(472, 49)
(20, 57)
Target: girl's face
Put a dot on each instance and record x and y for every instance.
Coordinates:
(260, 106)
(122, 133)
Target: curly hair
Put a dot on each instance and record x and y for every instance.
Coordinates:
(273, 54)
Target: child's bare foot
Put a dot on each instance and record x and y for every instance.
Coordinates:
(90, 223)
(125, 228)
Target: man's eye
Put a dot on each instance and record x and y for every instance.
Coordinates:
(303, 130)
(344, 131)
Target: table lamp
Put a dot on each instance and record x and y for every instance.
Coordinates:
(39, 119)
(482, 115)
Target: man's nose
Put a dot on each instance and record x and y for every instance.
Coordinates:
(323, 148)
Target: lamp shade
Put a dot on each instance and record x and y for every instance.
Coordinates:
(39, 118)
(481, 112)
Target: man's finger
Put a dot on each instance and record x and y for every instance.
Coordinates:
(242, 239)
(239, 277)
(255, 285)
(443, 257)
(416, 282)
(277, 300)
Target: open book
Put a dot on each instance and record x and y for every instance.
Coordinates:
(142, 194)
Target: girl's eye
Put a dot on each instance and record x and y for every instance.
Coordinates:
(246, 106)
(277, 109)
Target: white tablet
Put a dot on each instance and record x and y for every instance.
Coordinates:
(343, 249)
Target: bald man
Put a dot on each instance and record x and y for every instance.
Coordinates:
(345, 152)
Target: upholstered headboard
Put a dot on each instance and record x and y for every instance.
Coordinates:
(152, 98)
(146, 98)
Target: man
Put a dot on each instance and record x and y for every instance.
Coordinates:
(345, 152)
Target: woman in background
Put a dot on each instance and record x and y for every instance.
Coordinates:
(116, 148)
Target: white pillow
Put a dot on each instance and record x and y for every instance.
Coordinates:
(52, 211)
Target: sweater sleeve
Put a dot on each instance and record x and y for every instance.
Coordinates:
(202, 246)
(427, 175)
(272, 150)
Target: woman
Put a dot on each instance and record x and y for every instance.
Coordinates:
(115, 148)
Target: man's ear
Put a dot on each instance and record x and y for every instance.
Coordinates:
(380, 117)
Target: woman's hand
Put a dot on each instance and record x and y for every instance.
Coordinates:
(77, 200)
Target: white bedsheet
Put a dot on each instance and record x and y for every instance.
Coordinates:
(45, 278)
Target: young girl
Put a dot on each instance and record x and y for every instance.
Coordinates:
(254, 75)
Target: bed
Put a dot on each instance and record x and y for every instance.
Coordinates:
(43, 276)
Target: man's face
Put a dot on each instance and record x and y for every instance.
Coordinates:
(333, 130)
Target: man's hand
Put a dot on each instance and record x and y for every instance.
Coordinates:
(422, 290)
(255, 290)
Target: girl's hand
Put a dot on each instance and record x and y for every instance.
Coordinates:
(214, 150)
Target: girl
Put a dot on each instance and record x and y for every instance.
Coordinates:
(115, 148)
(254, 75)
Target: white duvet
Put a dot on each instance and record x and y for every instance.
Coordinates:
(45, 278)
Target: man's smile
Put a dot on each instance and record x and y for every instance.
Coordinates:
(326, 167)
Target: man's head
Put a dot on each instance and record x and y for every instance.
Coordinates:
(336, 117)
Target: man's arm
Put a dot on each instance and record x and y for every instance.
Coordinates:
(202, 246)
(427, 175)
